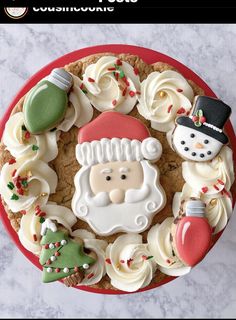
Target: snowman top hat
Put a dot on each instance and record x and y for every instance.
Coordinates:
(208, 116)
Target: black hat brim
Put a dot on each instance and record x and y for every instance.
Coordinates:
(188, 122)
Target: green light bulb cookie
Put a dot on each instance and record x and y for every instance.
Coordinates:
(45, 105)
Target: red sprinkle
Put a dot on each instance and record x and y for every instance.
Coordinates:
(220, 182)
(42, 214)
(117, 76)
(226, 192)
(169, 108)
(132, 93)
(136, 71)
(23, 212)
(20, 192)
(18, 184)
(111, 69)
(114, 102)
(46, 246)
(108, 260)
(89, 276)
(57, 244)
(129, 261)
(91, 80)
(144, 257)
(202, 119)
(13, 173)
(12, 160)
(215, 186)
(188, 113)
(57, 270)
(35, 237)
(27, 135)
(204, 189)
(48, 262)
(195, 118)
(179, 90)
(122, 261)
(126, 81)
(119, 62)
(81, 86)
(181, 110)
(57, 254)
(124, 92)
(76, 269)
(138, 92)
(168, 261)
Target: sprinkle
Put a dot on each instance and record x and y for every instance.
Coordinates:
(81, 86)
(37, 208)
(108, 260)
(27, 135)
(46, 246)
(10, 185)
(114, 103)
(179, 90)
(132, 93)
(42, 214)
(181, 110)
(204, 189)
(213, 202)
(14, 197)
(215, 186)
(89, 276)
(51, 246)
(48, 262)
(57, 253)
(169, 108)
(117, 76)
(149, 257)
(122, 261)
(13, 173)
(119, 62)
(57, 270)
(18, 184)
(24, 183)
(41, 220)
(226, 192)
(122, 74)
(144, 257)
(129, 261)
(43, 194)
(111, 69)
(20, 192)
(63, 242)
(188, 113)
(23, 212)
(168, 261)
(138, 92)
(91, 80)
(66, 270)
(220, 181)
(85, 91)
(126, 81)
(162, 94)
(23, 128)
(57, 244)
(124, 91)
(34, 147)
(85, 266)
(136, 71)
(12, 160)
(35, 237)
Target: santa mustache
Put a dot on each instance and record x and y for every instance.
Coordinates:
(102, 199)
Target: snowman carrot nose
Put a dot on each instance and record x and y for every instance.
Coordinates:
(199, 145)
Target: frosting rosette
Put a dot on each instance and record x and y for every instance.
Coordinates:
(210, 177)
(20, 143)
(164, 96)
(25, 183)
(30, 225)
(112, 84)
(97, 270)
(79, 110)
(218, 206)
(160, 246)
(129, 264)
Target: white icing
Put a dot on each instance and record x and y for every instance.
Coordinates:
(183, 133)
(207, 174)
(100, 218)
(139, 272)
(30, 225)
(79, 111)
(209, 125)
(107, 89)
(160, 247)
(156, 108)
(218, 207)
(109, 150)
(42, 181)
(19, 147)
(48, 224)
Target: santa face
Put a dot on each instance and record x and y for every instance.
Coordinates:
(118, 196)
(194, 145)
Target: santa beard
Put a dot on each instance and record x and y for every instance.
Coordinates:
(133, 215)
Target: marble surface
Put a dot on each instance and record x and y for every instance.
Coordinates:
(210, 290)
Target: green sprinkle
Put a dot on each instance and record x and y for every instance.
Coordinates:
(24, 183)
(14, 197)
(149, 257)
(122, 74)
(117, 67)
(34, 147)
(23, 128)
(10, 185)
(85, 91)
(41, 220)
(197, 124)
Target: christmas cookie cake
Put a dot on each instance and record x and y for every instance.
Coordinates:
(116, 173)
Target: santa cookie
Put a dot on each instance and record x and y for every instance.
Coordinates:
(117, 188)
(200, 136)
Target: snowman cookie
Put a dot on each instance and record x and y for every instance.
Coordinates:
(200, 136)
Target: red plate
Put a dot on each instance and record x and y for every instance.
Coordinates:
(148, 56)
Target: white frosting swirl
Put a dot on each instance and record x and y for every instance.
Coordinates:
(160, 247)
(105, 91)
(163, 97)
(151, 149)
(30, 227)
(97, 270)
(42, 181)
(79, 111)
(18, 146)
(215, 175)
(128, 269)
(218, 206)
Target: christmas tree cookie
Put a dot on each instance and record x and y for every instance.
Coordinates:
(62, 257)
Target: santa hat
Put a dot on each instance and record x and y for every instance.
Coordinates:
(113, 136)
